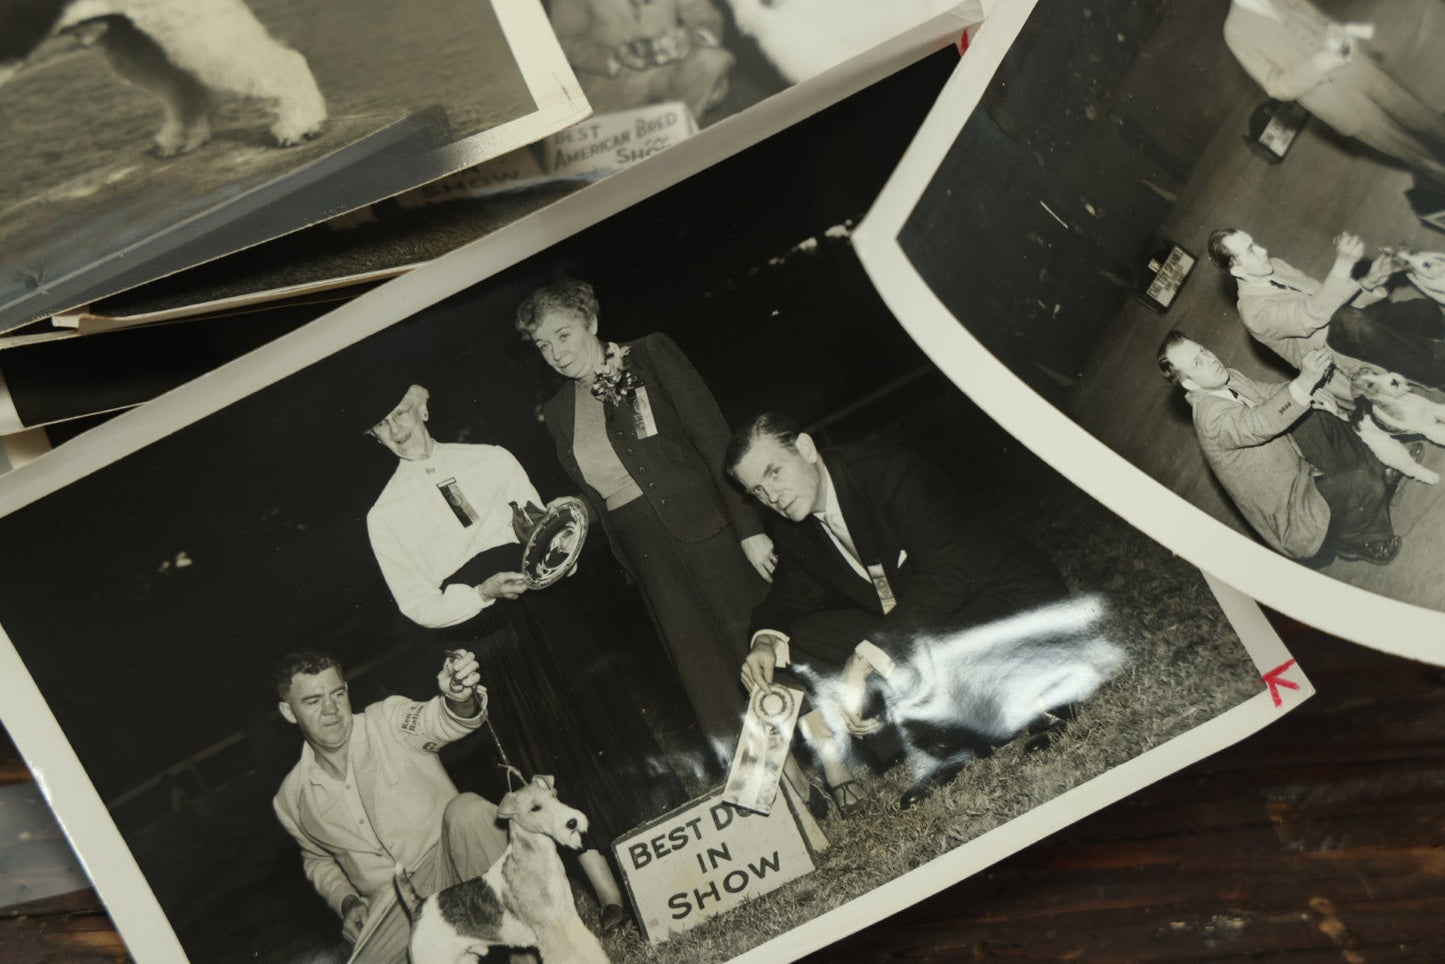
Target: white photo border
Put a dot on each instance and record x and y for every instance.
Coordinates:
(1336, 607)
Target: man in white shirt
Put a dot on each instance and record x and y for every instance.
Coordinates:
(1301, 478)
(369, 792)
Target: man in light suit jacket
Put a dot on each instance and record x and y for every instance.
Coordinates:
(1305, 482)
(369, 792)
(1296, 53)
(1292, 314)
(877, 554)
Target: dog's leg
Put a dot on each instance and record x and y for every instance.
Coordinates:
(300, 108)
(1392, 452)
(225, 47)
(133, 55)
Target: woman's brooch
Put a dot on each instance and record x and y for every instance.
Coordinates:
(614, 382)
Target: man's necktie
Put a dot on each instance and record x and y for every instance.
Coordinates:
(834, 522)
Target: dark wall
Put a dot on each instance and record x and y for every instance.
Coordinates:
(1036, 228)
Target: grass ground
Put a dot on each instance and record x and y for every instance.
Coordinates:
(1185, 667)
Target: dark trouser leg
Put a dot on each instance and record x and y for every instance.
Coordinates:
(1359, 507)
(1402, 336)
(1353, 483)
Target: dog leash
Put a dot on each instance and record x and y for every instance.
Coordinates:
(506, 763)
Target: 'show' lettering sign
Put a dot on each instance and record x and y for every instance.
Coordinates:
(705, 858)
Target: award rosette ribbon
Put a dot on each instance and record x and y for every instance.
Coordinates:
(762, 747)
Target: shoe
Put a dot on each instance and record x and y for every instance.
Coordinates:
(614, 919)
(939, 776)
(1042, 734)
(1376, 553)
(817, 802)
(848, 797)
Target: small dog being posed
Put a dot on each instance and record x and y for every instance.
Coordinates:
(524, 900)
(180, 51)
(961, 696)
(1425, 270)
(803, 38)
(1387, 407)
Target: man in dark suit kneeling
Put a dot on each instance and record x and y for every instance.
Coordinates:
(879, 559)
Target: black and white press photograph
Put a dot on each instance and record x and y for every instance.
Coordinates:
(1209, 236)
(145, 136)
(654, 81)
(628, 590)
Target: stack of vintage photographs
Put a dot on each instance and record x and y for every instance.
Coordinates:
(196, 193)
(909, 396)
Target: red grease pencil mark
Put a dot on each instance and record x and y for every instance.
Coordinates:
(1274, 679)
(963, 43)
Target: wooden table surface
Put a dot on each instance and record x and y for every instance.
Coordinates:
(1321, 838)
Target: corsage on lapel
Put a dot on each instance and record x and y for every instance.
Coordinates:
(615, 384)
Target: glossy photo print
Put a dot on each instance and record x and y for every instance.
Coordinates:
(1203, 282)
(604, 589)
(759, 66)
(145, 136)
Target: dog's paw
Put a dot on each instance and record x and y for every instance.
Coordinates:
(173, 141)
(300, 107)
(1428, 476)
(292, 130)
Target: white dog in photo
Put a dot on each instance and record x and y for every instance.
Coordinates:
(1425, 270)
(803, 38)
(1387, 407)
(180, 51)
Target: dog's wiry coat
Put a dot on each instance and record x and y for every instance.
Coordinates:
(523, 900)
(1386, 407)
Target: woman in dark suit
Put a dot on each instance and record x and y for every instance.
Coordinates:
(642, 437)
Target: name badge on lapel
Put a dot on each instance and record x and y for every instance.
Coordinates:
(457, 502)
(882, 588)
(643, 422)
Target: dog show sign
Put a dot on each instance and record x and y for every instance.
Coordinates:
(607, 143)
(705, 858)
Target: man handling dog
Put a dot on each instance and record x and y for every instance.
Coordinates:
(1291, 313)
(369, 793)
(1302, 478)
(877, 553)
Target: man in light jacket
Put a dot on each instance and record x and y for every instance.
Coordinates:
(1306, 483)
(369, 793)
